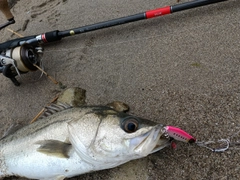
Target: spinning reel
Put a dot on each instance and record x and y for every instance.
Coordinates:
(22, 55)
(19, 60)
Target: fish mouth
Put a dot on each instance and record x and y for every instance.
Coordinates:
(162, 143)
(151, 141)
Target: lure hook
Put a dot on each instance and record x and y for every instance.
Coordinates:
(221, 149)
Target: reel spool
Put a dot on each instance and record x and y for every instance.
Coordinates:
(25, 57)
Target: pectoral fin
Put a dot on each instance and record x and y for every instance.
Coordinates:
(54, 148)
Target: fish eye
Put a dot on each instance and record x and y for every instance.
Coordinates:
(130, 125)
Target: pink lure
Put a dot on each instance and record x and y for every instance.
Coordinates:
(179, 135)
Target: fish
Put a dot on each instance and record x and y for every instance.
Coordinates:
(70, 141)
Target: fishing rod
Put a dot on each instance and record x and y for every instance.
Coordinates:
(24, 54)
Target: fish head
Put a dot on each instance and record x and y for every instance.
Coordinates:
(110, 137)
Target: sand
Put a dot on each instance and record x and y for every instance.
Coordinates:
(181, 69)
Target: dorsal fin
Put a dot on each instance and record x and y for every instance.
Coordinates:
(118, 106)
(54, 108)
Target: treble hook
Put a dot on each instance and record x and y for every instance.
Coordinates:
(204, 144)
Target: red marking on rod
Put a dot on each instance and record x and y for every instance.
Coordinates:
(44, 38)
(158, 12)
